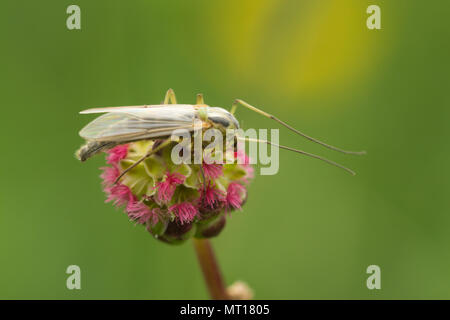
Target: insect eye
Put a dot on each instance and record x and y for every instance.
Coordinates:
(220, 121)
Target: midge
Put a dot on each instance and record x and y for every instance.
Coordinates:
(121, 125)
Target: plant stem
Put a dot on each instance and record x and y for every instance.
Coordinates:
(210, 268)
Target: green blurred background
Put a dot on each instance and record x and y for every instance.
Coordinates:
(308, 232)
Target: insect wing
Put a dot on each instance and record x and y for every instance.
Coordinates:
(126, 124)
(132, 109)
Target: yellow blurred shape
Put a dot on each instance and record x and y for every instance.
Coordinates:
(296, 47)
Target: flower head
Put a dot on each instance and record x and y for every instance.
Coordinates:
(173, 201)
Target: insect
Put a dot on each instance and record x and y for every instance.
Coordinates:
(121, 125)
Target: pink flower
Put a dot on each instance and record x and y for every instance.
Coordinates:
(119, 194)
(212, 170)
(117, 153)
(109, 175)
(167, 187)
(185, 211)
(235, 195)
(211, 197)
(138, 211)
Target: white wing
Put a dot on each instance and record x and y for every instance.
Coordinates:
(135, 123)
(136, 108)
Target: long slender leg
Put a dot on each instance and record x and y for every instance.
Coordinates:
(200, 99)
(204, 182)
(170, 97)
(268, 115)
(148, 154)
(301, 152)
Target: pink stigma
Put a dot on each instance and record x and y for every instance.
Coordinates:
(185, 211)
(167, 187)
(212, 170)
(235, 195)
(117, 153)
(109, 175)
(211, 196)
(138, 211)
(119, 194)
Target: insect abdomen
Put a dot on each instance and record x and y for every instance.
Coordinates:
(92, 148)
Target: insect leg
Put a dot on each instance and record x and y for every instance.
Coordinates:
(170, 97)
(204, 181)
(301, 152)
(200, 99)
(268, 115)
(148, 154)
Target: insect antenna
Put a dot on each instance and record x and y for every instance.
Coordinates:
(170, 97)
(299, 151)
(268, 115)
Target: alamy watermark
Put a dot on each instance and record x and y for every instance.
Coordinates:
(74, 279)
(73, 21)
(216, 146)
(374, 20)
(374, 280)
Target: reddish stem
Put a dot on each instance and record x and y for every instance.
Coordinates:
(210, 268)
